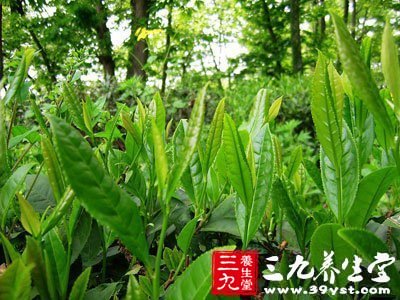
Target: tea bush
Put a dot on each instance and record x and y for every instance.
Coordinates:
(96, 204)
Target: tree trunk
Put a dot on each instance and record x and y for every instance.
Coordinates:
(138, 51)
(353, 18)
(104, 41)
(346, 11)
(274, 38)
(295, 36)
(167, 51)
(322, 23)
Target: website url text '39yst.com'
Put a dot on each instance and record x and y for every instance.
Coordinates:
(323, 290)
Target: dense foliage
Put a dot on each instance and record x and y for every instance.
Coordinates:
(122, 189)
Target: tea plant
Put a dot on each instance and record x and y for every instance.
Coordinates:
(98, 204)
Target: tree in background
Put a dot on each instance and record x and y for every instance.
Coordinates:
(178, 44)
(138, 52)
(295, 38)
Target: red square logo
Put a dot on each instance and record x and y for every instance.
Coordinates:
(234, 273)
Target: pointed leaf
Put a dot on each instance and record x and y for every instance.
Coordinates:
(327, 112)
(10, 188)
(15, 283)
(314, 173)
(214, 136)
(359, 75)
(80, 286)
(161, 162)
(53, 168)
(296, 221)
(29, 218)
(189, 143)
(264, 165)
(134, 291)
(185, 236)
(370, 190)
(12, 253)
(274, 109)
(20, 74)
(58, 261)
(195, 282)
(258, 112)
(295, 161)
(33, 256)
(58, 212)
(238, 169)
(341, 183)
(113, 207)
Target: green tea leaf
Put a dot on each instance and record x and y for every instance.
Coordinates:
(327, 111)
(161, 161)
(368, 245)
(159, 112)
(185, 236)
(74, 106)
(9, 190)
(189, 143)
(359, 75)
(192, 179)
(20, 75)
(33, 256)
(57, 257)
(15, 283)
(113, 207)
(223, 218)
(341, 183)
(295, 161)
(12, 253)
(390, 64)
(264, 166)
(314, 173)
(58, 212)
(214, 137)
(278, 155)
(29, 218)
(366, 47)
(81, 233)
(238, 169)
(80, 286)
(258, 112)
(370, 190)
(134, 291)
(274, 109)
(131, 128)
(39, 117)
(103, 291)
(280, 196)
(195, 282)
(171, 258)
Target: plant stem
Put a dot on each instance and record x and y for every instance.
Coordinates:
(156, 278)
(34, 181)
(13, 117)
(104, 264)
(178, 269)
(6, 255)
(21, 157)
